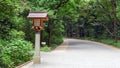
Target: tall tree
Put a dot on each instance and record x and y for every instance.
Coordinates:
(114, 6)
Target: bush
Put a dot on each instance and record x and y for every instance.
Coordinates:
(56, 41)
(45, 48)
(4, 59)
(117, 44)
(15, 53)
(16, 34)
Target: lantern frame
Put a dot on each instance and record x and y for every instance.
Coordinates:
(38, 18)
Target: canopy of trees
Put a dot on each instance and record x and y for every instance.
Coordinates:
(92, 18)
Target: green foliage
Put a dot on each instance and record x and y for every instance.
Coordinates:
(57, 36)
(45, 48)
(108, 41)
(6, 58)
(5, 27)
(9, 17)
(93, 18)
(8, 10)
(14, 53)
(17, 34)
(111, 42)
(117, 44)
(56, 41)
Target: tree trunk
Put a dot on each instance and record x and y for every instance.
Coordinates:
(115, 20)
(49, 32)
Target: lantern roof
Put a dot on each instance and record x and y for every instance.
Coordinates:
(34, 14)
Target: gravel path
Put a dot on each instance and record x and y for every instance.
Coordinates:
(80, 54)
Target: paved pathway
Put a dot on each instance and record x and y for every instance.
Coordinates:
(80, 54)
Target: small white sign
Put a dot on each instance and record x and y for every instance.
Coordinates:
(44, 43)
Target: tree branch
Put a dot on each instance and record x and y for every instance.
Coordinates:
(108, 30)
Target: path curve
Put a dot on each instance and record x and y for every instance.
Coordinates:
(80, 54)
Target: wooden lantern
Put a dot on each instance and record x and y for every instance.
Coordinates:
(38, 19)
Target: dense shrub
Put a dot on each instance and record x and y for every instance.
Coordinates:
(14, 34)
(56, 41)
(45, 48)
(14, 53)
(2, 42)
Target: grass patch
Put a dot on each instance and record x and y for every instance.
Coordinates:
(111, 42)
(105, 41)
(117, 44)
(45, 49)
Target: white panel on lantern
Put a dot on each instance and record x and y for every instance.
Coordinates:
(36, 22)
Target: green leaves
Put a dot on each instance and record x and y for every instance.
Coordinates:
(17, 34)
(9, 9)
(15, 52)
(45, 48)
